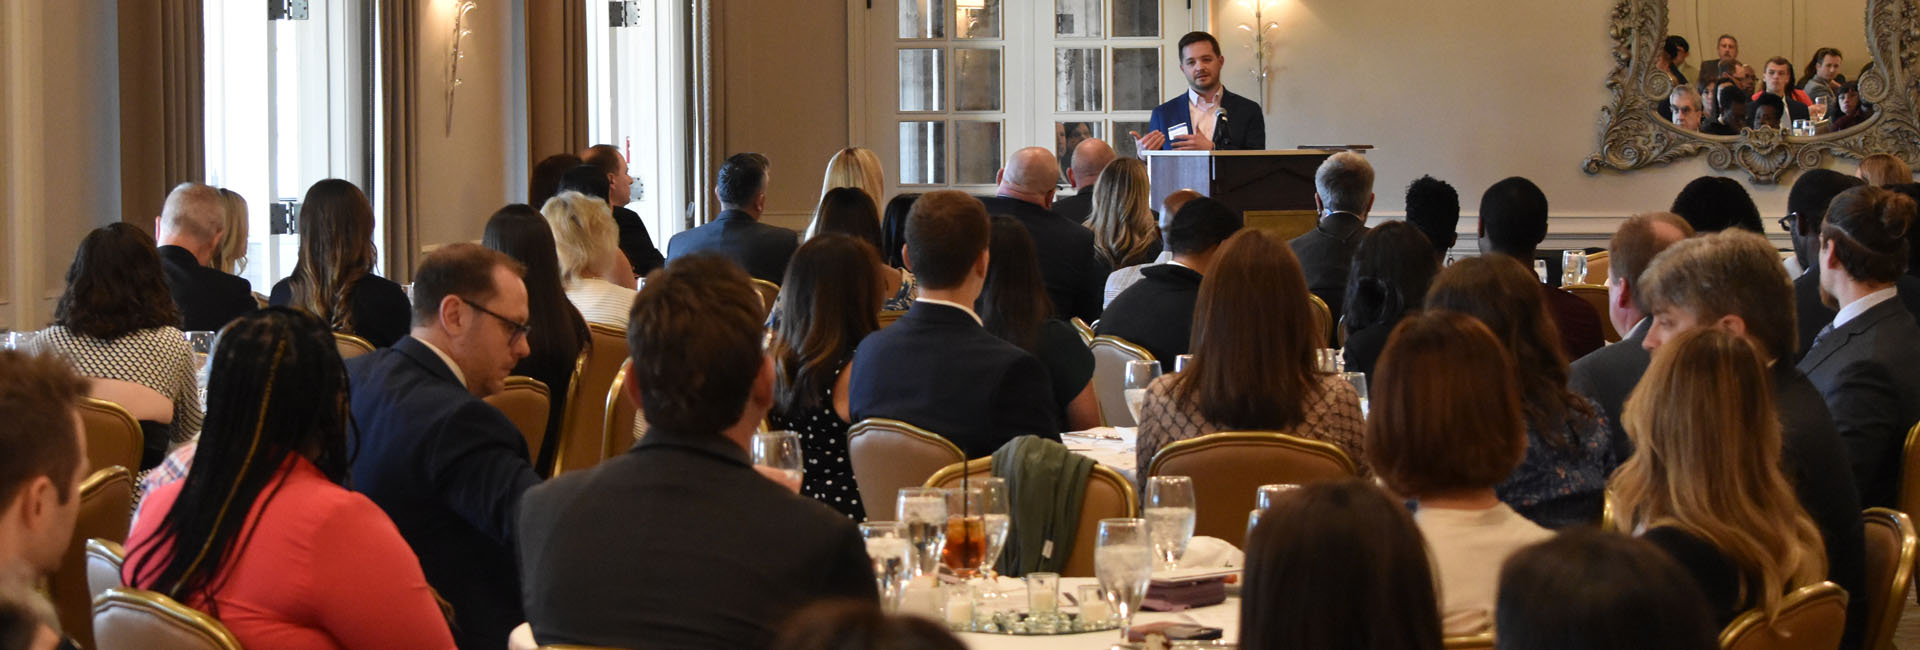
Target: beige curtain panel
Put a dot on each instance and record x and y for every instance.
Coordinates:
(556, 78)
(162, 110)
(400, 117)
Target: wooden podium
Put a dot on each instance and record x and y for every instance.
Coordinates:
(1272, 189)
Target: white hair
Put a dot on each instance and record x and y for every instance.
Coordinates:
(1344, 182)
(194, 210)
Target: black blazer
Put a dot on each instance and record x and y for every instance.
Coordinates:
(1077, 207)
(1814, 314)
(1326, 255)
(636, 242)
(449, 470)
(207, 297)
(761, 249)
(1607, 376)
(381, 312)
(1156, 313)
(1245, 126)
(1868, 369)
(1076, 280)
(707, 553)
(938, 369)
(1817, 464)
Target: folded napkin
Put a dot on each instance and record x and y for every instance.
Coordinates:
(1211, 553)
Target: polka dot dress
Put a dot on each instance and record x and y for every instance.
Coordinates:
(823, 441)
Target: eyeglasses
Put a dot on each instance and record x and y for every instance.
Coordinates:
(516, 329)
(1786, 222)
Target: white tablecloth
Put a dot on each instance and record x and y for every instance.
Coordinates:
(1225, 616)
(1110, 446)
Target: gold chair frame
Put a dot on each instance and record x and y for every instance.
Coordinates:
(1884, 609)
(69, 586)
(1606, 322)
(1213, 525)
(1481, 641)
(126, 419)
(524, 383)
(1755, 621)
(1323, 319)
(1602, 262)
(568, 417)
(169, 610)
(769, 294)
(1101, 473)
(616, 425)
(1109, 396)
(109, 553)
(862, 427)
(351, 346)
(1909, 499)
(1083, 329)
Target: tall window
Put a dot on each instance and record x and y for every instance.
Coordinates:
(637, 98)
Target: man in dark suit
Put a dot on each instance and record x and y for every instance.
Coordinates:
(188, 229)
(703, 551)
(635, 241)
(1090, 157)
(1608, 375)
(447, 467)
(1806, 213)
(1206, 117)
(1513, 222)
(937, 367)
(1733, 280)
(1343, 194)
(1156, 313)
(1074, 277)
(1865, 363)
(738, 235)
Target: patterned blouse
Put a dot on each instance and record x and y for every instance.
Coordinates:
(1558, 487)
(157, 358)
(823, 442)
(903, 299)
(1332, 416)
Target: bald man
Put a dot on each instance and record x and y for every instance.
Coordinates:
(1608, 375)
(1089, 159)
(188, 228)
(1074, 277)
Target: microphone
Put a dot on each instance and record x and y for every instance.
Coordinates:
(1220, 129)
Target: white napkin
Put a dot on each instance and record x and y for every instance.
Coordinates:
(1211, 553)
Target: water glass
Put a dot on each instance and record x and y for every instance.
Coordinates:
(966, 545)
(1268, 494)
(1328, 360)
(1140, 374)
(17, 340)
(892, 565)
(1359, 381)
(1043, 593)
(995, 511)
(1170, 514)
(1573, 267)
(1181, 362)
(924, 512)
(1123, 563)
(779, 450)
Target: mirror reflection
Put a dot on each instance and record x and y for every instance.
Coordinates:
(1742, 64)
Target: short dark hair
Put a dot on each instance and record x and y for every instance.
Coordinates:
(37, 396)
(1674, 45)
(463, 269)
(1585, 589)
(1635, 244)
(1201, 224)
(1765, 100)
(115, 286)
(1389, 276)
(1197, 37)
(742, 177)
(1513, 216)
(587, 179)
(544, 180)
(605, 156)
(1868, 229)
(1716, 203)
(695, 334)
(893, 228)
(946, 231)
(1811, 193)
(1433, 206)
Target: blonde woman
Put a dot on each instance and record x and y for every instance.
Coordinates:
(1124, 230)
(1883, 169)
(591, 265)
(230, 253)
(1704, 483)
(855, 167)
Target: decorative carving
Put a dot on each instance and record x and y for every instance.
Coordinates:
(1633, 135)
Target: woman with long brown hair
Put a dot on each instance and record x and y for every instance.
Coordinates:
(1704, 482)
(850, 211)
(334, 278)
(559, 332)
(1014, 306)
(1125, 232)
(1253, 369)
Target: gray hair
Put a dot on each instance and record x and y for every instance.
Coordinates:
(1684, 90)
(194, 210)
(1344, 182)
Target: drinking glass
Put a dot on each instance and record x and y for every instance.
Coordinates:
(994, 510)
(1169, 510)
(924, 512)
(17, 340)
(1328, 360)
(1123, 563)
(966, 545)
(1359, 381)
(1140, 374)
(1253, 521)
(201, 343)
(892, 566)
(1268, 494)
(1573, 267)
(779, 450)
(1181, 362)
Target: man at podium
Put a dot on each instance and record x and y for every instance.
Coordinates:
(1206, 117)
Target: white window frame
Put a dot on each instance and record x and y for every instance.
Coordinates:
(637, 99)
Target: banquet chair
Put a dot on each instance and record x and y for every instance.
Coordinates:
(582, 430)
(769, 294)
(1597, 266)
(1083, 329)
(106, 512)
(888, 316)
(137, 619)
(113, 435)
(889, 454)
(1596, 297)
(1228, 468)
(617, 433)
(524, 400)
(351, 346)
(1891, 548)
(1909, 497)
(1814, 616)
(1110, 357)
(105, 557)
(1108, 496)
(1330, 336)
(1482, 641)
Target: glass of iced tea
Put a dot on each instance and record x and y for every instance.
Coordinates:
(966, 531)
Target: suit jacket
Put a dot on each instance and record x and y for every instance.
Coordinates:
(1240, 119)
(207, 297)
(636, 242)
(449, 470)
(1156, 312)
(1077, 207)
(1816, 463)
(708, 554)
(1074, 277)
(1607, 376)
(1326, 255)
(1814, 314)
(1579, 324)
(761, 249)
(1868, 369)
(939, 370)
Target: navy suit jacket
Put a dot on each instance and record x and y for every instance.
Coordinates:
(761, 249)
(1245, 127)
(1076, 280)
(937, 369)
(207, 297)
(448, 469)
(1868, 369)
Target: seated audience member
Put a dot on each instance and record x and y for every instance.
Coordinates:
(893, 229)
(291, 568)
(1446, 428)
(858, 168)
(1090, 160)
(230, 254)
(1883, 169)
(1766, 111)
(558, 332)
(737, 234)
(1819, 81)
(1704, 483)
(46, 461)
(635, 241)
(1254, 365)
(1338, 566)
(447, 467)
(854, 625)
(1125, 231)
(1686, 108)
(1730, 109)
(1608, 375)
(333, 278)
(1124, 277)
(742, 551)
(1807, 204)
(832, 296)
(1734, 281)
(1343, 193)
(1673, 58)
(1865, 362)
(544, 181)
(116, 321)
(1513, 222)
(1716, 203)
(1777, 78)
(938, 367)
(1013, 306)
(1586, 589)
(1390, 279)
(190, 229)
(1156, 313)
(1073, 274)
(1744, 77)
(1852, 111)
(1562, 480)
(1727, 51)
(594, 271)
(848, 211)
(1433, 206)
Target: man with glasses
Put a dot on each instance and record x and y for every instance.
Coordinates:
(1806, 214)
(447, 467)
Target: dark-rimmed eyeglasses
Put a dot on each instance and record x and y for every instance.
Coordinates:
(515, 329)
(1787, 222)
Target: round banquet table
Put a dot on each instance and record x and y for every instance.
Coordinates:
(1225, 616)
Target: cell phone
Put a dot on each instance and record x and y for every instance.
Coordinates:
(1173, 631)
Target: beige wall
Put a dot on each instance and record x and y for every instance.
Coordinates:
(464, 174)
(1769, 28)
(785, 94)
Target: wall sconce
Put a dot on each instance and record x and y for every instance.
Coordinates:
(454, 54)
(1260, 42)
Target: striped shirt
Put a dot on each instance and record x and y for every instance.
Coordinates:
(600, 301)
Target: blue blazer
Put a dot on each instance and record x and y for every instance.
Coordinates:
(761, 249)
(937, 369)
(1240, 120)
(449, 470)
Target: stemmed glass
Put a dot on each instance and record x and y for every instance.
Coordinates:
(1123, 563)
(1170, 514)
(892, 564)
(994, 510)
(1140, 374)
(966, 545)
(1359, 381)
(1266, 495)
(924, 512)
(779, 450)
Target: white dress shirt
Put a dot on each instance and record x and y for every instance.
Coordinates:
(457, 374)
(1866, 302)
(1204, 116)
(955, 305)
